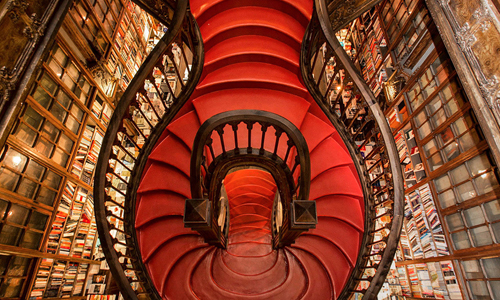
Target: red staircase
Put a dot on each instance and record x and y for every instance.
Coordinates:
(252, 52)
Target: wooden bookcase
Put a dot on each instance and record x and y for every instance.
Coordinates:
(451, 212)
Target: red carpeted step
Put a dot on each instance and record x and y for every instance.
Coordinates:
(203, 10)
(250, 285)
(158, 204)
(249, 266)
(291, 107)
(185, 128)
(327, 155)
(161, 177)
(319, 285)
(344, 208)
(315, 131)
(174, 152)
(292, 288)
(336, 181)
(251, 48)
(252, 75)
(331, 258)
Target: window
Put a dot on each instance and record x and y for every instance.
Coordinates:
(395, 14)
(65, 69)
(482, 277)
(38, 132)
(26, 177)
(90, 28)
(473, 178)
(413, 34)
(21, 226)
(13, 275)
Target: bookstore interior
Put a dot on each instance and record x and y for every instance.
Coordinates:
(449, 247)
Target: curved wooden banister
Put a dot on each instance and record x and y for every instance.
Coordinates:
(385, 203)
(139, 118)
(206, 179)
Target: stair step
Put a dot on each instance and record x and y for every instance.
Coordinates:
(185, 128)
(174, 152)
(251, 48)
(337, 181)
(160, 177)
(260, 20)
(253, 75)
(253, 180)
(289, 106)
(327, 155)
(344, 208)
(158, 204)
(315, 131)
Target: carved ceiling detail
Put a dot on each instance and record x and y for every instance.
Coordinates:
(342, 12)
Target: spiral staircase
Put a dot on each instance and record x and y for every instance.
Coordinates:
(233, 167)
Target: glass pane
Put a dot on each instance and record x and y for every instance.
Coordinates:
(461, 240)
(65, 143)
(430, 148)
(469, 140)
(64, 99)
(18, 214)
(10, 235)
(52, 179)
(459, 174)
(19, 267)
(479, 290)
(42, 97)
(466, 191)
(46, 196)
(435, 161)
(31, 240)
(44, 147)
(38, 221)
(48, 84)
(474, 216)
(4, 262)
(451, 151)
(454, 222)
(472, 269)
(25, 134)
(73, 71)
(492, 267)
(72, 124)
(495, 289)
(481, 236)
(446, 136)
(424, 130)
(34, 170)
(27, 188)
(8, 179)
(486, 183)
(60, 157)
(56, 67)
(478, 164)
(495, 227)
(11, 287)
(60, 56)
(15, 160)
(58, 112)
(3, 209)
(492, 210)
(32, 118)
(77, 112)
(420, 119)
(442, 183)
(50, 131)
(447, 199)
(434, 105)
(463, 124)
(438, 118)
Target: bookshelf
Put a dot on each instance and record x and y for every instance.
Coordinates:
(446, 212)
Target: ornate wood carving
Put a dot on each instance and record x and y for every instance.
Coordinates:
(22, 23)
(160, 9)
(471, 33)
(342, 12)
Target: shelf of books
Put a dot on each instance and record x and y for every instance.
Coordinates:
(73, 234)
(87, 153)
(135, 37)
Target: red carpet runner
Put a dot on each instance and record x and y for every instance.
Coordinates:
(251, 62)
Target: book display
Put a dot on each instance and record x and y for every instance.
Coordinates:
(428, 113)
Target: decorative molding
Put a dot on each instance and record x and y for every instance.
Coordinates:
(342, 12)
(34, 29)
(471, 33)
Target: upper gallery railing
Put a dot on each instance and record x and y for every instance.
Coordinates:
(344, 96)
(162, 85)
